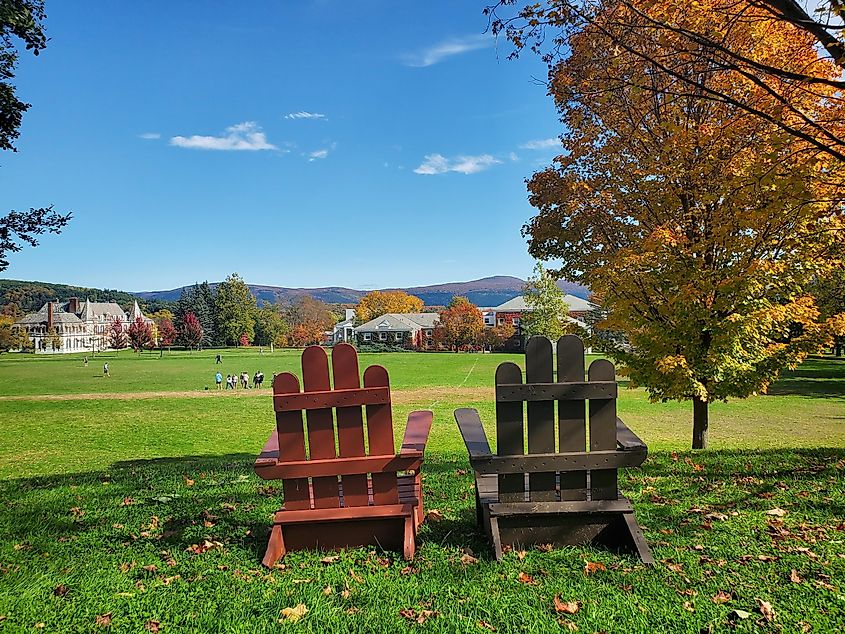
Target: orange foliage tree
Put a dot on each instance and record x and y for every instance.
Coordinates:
(461, 325)
(696, 223)
(377, 303)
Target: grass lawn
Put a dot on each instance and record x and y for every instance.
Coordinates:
(103, 498)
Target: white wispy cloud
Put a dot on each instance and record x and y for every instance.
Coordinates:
(302, 114)
(542, 144)
(318, 154)
(149, 135)
(242, 136)
(448, 48)
(439, 164)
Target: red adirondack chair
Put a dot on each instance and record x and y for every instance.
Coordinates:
(336, 495)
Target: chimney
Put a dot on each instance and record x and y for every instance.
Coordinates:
(73, 305)
(49, 315)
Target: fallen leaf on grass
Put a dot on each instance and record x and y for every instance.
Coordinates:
(721, 597)
(103, 620)
(408, 570)
(766, 610)
(60, 590)
(420, 616)
(126, 567)
(794, 577)
(188, 481)
(328, 590)
(688, 606)
(204, 547)
(520, 554)
(39, 626)
(523, 577)
(567, 607)
(592, 567)
(467, 559)
(77, 512)
(355, 576)
(152, 626)
(299, 581)
(544, 548)
(127, 502)
(569, 625)
(292, 615)
(434, 516)
(330, 559)
(776, 512)
(168, 580)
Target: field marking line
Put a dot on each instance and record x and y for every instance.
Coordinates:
(462, 383)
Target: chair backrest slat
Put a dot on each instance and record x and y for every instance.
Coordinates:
(572, 422)
(380, 437)
(539, 368)
(509, 434)
(321, 440)
(291, 443)
(350, 423)
(603, 483)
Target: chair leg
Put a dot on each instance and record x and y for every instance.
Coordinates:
(496, 537)
(638, 539)
(419, 512)
(275, 547)
(409, 545)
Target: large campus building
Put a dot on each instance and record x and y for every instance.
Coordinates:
(80, 326)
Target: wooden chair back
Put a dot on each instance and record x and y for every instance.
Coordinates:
(526, 411)
(334, 427)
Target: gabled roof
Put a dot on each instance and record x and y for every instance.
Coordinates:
(517, 304)
(40, 317)
(400, 322)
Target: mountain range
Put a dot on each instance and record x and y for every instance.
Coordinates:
(485, 292)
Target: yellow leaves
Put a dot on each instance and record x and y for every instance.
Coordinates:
(566, 607)
(294, 614)
(377, 303)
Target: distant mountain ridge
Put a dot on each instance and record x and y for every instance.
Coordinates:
(485, 292)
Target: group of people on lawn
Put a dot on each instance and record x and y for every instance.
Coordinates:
(233, 381)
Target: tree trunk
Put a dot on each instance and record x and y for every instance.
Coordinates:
(700, 422)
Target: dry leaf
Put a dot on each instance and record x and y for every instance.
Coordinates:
(127, 502)
(151, 568)
(420, 616)
(125, 567)
(776, 512)
(330, 559)
(526, 578)
(520, 554)
(356, 577)
(168, 580)
(103, 620)
(486, 626)
(328, 590)
(569, 625)
(688, 606)
(434, 516)
(60, 590)
(467, 559)
(793, 576)
(199, 549)
(188, 481)
(738, 614)
(593, 567)
(567, 607)
(77, 512)
(152, 626)
(292, 615)
(544, 548)
(766, 610)
(721, 597)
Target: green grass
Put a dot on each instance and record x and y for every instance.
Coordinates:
(67, 468)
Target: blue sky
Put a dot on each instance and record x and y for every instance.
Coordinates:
(368, 144)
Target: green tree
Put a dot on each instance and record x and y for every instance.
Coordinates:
(235, 310)
(200, 301)
(54, 339)
(23, 20)
(270, 326)
(548, 308)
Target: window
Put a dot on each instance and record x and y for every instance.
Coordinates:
(515, 321)
(398, 336)
(428, 332)
(501, 321)
(382, 336)
(367, 336)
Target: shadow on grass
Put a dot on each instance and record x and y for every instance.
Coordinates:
(816, 378)
(220, 498)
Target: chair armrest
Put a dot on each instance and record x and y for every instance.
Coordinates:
(473, 433)
(270, 452)
(416, 432)
(626, 439)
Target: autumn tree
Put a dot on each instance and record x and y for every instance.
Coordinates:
(140, 334)
(461, 324)
(235, 306)
(200, 300)
(10, 338)
(696, 224)
(270, 326)
(548, 311)
(308, 318)
(117, 335)
(21, 21)
(191, 334)
(377, 303)
(167, 334)
(685, 49)
(496, 336)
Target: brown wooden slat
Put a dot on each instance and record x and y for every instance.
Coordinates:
(547, 391)
(573, 506)
(321, 440)
(539, 368)
(416, 431)
(603, 483)
(509, 431)
(350, 422)
(362, 465)
(291, 443)
(332, 398)
(344, 514)
(380, 436)
(551, 462)
(472, 431)
(626, 439)
(572, 419)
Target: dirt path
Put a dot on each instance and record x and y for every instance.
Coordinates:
(424, 395)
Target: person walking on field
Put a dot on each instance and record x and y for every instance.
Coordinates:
(85, 361)
(245, 380)
(106, 370)
(218, 378)
(219, 359)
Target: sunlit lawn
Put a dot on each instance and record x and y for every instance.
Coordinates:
(101, 498)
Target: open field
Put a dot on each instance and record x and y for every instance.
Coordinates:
(101, 497)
